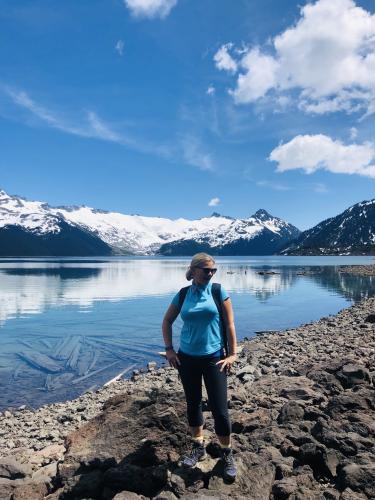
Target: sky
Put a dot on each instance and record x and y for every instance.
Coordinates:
(181, 108)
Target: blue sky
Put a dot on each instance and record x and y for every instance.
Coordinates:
(178, 108)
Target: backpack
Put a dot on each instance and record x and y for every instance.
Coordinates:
(216, 295)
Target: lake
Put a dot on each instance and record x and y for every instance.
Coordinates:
(70, 325)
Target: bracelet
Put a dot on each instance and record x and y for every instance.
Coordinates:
(169, 348)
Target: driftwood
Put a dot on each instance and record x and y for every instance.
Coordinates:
(119, 375)
(26, 344)
(74, 356)
(57, 382)
(79, 379)
(66, 347)
(124, 356)
(41, 361)
(265, 332)
(94, 360)
(115, 344)
(87, 361)
(59, 347)
(46, 343)
(17, 371)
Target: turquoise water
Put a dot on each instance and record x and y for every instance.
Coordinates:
(69, 325)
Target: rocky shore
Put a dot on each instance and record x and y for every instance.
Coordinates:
(302, 403)
(364, 270)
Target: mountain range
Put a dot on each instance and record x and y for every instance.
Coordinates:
(351, 232)
(31, 228)
(36, 228)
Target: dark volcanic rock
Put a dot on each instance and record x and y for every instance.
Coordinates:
(358, 478)
(353, 374)
(291, 412)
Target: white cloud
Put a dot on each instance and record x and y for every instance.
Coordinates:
(273, 185)
(313, 152)
(224, 60)
(321, 188)
(119, 47)
(259, 77)
(101, 130)
(353, 133)
(150, 8)
(194, 155)
(187, 149)
(92, 127)
(328, 57)
(210, 90)
(214, 202)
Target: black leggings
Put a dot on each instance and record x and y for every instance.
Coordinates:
(191, 370)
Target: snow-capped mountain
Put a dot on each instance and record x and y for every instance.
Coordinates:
(260, 234)
(36, 224)
(138, 234)
(351, 232)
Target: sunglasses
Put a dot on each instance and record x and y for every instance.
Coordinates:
(208, 270)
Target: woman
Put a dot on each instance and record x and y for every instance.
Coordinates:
(203, 353)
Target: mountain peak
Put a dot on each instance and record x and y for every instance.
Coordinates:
(262, 215)
(216, 214)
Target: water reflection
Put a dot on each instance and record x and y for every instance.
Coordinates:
(30, 289)
(64, 273)
(348, 285)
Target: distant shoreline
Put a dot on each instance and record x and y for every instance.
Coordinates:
(360, 269)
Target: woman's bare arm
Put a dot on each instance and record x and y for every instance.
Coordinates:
(168, 320)
(231, 335)
(231, 329)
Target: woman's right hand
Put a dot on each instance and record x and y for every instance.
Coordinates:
(172, 358)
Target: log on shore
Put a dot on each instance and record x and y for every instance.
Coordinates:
(121, 374)
(80, 379)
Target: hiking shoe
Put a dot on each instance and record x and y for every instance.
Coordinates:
(198, 453)
(230, 469)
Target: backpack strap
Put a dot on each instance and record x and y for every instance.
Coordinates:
(181, 297)
(216, 295)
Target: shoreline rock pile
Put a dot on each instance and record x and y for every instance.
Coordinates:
(363, 270)
(303, 413)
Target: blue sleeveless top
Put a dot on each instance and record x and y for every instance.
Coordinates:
(201, 333)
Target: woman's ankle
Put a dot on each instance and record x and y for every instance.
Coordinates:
(198, 439)
(224, 442)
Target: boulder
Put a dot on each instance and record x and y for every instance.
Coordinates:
(52, 452)
(303, 393)
(247, 422)
(253, 481)
(291, 412)
(6, 488)
(11, 469)
(360, 478)
(129, 495)
(283, 488)
(349, 494)
(31, 491)
(353, 374)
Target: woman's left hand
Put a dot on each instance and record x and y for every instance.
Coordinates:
(227, 362)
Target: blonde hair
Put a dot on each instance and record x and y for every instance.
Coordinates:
(197, 260)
